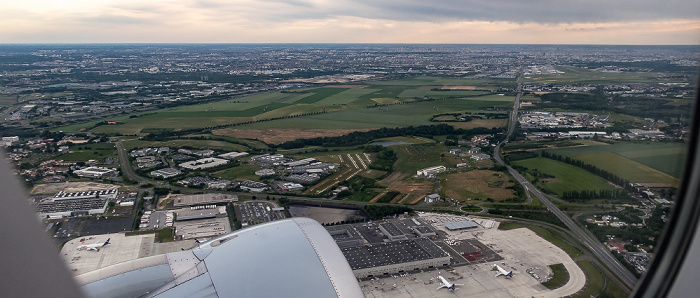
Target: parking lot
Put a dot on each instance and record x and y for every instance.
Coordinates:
(250, 213)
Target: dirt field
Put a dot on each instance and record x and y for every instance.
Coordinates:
(478, 184)
(411, 191)
(488, 123)
(281, 135)
(53, 188)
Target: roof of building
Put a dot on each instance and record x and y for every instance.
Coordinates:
(312, 266)
(390, 253)
(467, 224)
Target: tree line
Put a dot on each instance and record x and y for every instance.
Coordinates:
(359, 137)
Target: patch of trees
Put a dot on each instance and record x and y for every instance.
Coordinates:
(385, 160)
(161, 191)
(585, 195)
(529, 214)
(576, 101)
(519, 155)
(387, 197)
(381, 211)
(359, 138)
(358, 183)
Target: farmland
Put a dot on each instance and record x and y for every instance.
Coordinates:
(567, 177)
(478, 185)
(582, 75)
(379, 104)
(636, 162)
(85, 152)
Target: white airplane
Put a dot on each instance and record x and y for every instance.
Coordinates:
(501, 271)
(95, 246)
(446, 284)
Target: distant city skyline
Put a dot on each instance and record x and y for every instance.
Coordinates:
(643, 22)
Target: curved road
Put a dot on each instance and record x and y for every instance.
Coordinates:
(583, 235)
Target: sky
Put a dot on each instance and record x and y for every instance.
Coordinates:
(352, 21)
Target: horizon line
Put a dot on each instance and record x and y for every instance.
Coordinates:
(328, 43)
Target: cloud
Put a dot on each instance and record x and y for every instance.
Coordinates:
(405, 21)
(537, 11)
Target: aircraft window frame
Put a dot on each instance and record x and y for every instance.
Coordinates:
(675, 244)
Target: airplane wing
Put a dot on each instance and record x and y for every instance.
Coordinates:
(441, 286)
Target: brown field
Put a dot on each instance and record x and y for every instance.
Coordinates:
(478, 185)
(384, 101)
(488, 123)
(281, 135)
(411, 191)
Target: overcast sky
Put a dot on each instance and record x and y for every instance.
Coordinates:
(352, 21)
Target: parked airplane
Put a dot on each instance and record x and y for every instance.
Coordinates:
(95, 246)
(446, 284)
(501, 271)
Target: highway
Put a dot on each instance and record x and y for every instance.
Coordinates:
(126, 165)
(583, 235)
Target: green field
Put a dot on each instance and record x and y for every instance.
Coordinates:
(637, 162)
(581, 75)
(627, 169)
(412, 158)
(558, 278)
(347, 96)
(567, 177)
(347, 107)
(85, 152)
(597, 285)
(239, 173)
(418, 113)
(319, 94)
(439, 94)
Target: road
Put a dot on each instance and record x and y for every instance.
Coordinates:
(583, 235)
(126, 165)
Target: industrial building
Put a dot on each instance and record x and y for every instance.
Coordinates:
(71, 207)
(166, 173)
(253, 186)
(392, 232)
(96, 172)
(105, 193)
(268, 160)
(66, 204)
(203, 163)
(467, 224)
(202, 199)
(200, 212)
(395, 257)
(345, 235)
(303, 178)
(233, 155)
(432, 171)
(265, 172)
(480, 157)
